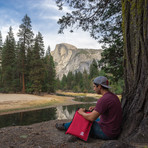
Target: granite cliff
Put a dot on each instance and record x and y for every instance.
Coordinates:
(69, 58)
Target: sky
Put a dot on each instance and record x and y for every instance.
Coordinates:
(44, 15)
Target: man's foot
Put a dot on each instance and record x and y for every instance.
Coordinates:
(60, 126)
(72, 139)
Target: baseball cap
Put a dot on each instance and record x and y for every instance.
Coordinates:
(101, 80)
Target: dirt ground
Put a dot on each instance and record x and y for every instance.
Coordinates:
(41, 135)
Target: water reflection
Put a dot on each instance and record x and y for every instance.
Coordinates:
(63, 113)
(36, 116)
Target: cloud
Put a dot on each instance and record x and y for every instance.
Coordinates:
(79, 39)
(51, 4)
(44, 15)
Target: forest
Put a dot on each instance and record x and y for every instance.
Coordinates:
(27, 68)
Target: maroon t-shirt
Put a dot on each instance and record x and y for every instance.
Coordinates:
(109, 108)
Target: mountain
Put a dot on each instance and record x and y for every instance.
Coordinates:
(69, 58)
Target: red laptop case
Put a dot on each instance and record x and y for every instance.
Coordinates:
(80, 127)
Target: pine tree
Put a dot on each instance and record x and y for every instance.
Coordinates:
(8, 61)
(17, 69)
(70, 80)
(25, 35)
(86, 82)
(93, 70)
(64, 82)
(36, 74)
(1, 45)
(50, 73)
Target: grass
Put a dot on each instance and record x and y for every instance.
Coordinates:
(30, 107)
(62, 98)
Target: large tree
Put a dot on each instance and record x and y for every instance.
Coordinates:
(25, 35)
(36, 73)
(135, 98)
(1, 45)
(50, 73)
(90, 15)
(8, 61)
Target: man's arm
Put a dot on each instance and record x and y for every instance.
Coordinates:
(89, 116)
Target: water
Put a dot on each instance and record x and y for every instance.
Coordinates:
(85, 99)
(36, 116)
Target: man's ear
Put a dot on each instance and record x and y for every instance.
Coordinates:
(99, 86)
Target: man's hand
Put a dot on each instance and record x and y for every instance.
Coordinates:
(81, 111)
(92, 116)
(91, 108)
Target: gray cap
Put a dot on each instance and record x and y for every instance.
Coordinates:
(101, 80)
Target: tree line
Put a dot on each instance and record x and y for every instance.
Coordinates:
(83, 81)
(25, 67)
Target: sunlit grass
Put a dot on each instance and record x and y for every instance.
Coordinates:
(44, 102)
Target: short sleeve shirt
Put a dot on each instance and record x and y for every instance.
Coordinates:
(109, 108)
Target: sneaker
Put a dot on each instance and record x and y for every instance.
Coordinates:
(60, 126)
(72, 139)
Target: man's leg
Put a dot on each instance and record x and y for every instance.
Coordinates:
(66, 125)
(97, 132)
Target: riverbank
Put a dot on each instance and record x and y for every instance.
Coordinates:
(10, 103)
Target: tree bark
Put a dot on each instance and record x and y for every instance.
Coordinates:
(135, 96)
(23, 80)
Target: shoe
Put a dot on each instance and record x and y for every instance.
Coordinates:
(60, 126)
(72, 138)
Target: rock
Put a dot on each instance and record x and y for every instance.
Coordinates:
(69, 58)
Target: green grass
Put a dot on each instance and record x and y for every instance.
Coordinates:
(29, 108)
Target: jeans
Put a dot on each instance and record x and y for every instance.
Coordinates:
(95, 132)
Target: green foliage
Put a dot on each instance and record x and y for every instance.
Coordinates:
(102, 19)
(50, 74)
(112, 60)
(83, 82)
(8, 61)
(99, 18)
(25, 35)
(93, 69)
(36, 74)
(24, 64)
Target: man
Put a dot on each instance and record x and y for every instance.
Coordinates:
(108, 108)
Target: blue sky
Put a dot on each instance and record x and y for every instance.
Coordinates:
(44, 15)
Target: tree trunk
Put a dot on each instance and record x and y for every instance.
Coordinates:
(23, 80)
(135, 96)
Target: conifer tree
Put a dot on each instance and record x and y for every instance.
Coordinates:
(50, 73)
(8, 61)
(17, 69)
(70, 80)
(64, 82)
(36, 75)
(93, 71)
(25, 35)
(1, 44)
(86, 81)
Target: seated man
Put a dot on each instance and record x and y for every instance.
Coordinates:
(108, 109)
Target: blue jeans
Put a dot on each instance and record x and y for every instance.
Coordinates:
(95, 132)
